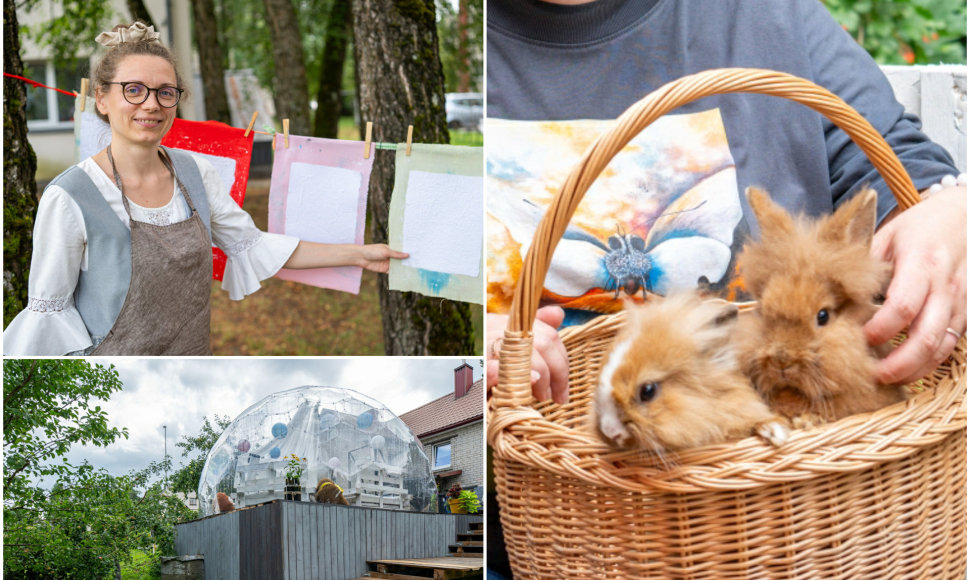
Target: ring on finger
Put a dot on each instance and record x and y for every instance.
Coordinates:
(496, 347)
(956, 334)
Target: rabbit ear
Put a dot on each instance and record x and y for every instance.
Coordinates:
(715, 319)
(854, 221)
(773, 220)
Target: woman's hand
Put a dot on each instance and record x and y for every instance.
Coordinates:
(373, 257)
(377, 257)
(927, 246)
(550, 363)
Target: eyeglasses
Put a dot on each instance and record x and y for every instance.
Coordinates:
(137, 93)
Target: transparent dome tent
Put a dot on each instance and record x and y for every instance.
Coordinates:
(348, 437)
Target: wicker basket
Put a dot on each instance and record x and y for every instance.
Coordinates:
(878, 495)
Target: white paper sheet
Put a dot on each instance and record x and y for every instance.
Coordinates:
(322, 203)
(443, 223)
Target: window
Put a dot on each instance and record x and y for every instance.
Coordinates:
(47, 108)
(442, 455)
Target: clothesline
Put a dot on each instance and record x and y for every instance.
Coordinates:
(39, 84)
(377, 144)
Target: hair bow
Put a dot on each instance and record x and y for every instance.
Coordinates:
(137, 32)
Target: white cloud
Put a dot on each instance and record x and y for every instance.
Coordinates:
(179, 393)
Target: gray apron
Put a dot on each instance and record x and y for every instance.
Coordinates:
(166, 310)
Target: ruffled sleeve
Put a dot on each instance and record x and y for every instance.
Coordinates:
(51, 325)
(253, 255)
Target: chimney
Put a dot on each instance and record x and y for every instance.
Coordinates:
(463, 380)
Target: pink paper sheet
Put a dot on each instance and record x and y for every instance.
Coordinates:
(341, 217)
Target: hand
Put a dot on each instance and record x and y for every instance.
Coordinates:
(927, 247)
(550, 363)
(377, 257)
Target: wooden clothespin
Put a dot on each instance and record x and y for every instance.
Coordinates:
(286, 133)
(274, 141)
(84, 95)
(410, 133)
(367, 135)
(252, 122)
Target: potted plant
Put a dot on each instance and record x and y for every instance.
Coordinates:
(470, 504)
(294, 470)
(454, 499)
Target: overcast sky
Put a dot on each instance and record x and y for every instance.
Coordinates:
(180, 392)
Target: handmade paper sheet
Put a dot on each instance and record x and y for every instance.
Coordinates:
(228, 150)
(91, 134)
(436, 216)
(318, 193)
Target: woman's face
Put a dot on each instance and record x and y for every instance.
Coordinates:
(146, 123)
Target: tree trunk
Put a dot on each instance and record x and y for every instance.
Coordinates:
(19, 167)
(332, 70)
(401, 83)
(140, 12)
(211, 62)
(290, 88)
(464, 70)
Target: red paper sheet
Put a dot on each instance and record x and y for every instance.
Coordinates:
(220, 140)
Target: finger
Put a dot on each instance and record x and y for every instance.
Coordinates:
(540, 386)
(397, 255)
(904, 300)
(551, 315)
(924, 346)
(491, 375)
(547, 343)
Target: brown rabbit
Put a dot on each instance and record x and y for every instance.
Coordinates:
(330, 492)
(672, 381)
(804, 347)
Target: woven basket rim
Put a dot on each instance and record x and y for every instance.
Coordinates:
(518, 431)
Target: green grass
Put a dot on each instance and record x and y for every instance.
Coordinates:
(139, 568)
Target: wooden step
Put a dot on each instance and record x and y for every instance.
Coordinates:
(471, 537)
(466, 549)
(479, 526)
(444, 568)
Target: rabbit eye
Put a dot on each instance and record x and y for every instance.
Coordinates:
(822, 318)
(648, 392)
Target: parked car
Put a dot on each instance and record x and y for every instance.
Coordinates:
(464, 110)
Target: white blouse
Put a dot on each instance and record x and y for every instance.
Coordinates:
(51, 325)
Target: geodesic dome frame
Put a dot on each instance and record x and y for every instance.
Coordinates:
(344, 435)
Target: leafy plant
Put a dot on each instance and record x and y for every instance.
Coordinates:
(906, 32)
(469, 501)
(295, 465)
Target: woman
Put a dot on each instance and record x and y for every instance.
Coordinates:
(122, 259)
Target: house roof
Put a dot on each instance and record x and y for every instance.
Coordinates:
(447, 412)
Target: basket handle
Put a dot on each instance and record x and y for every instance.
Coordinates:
(514, 386)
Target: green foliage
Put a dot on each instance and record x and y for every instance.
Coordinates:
(469, 501)
(74, 27)
(906, 31)
(186, 479)
(451, 34)
(89, 521)
(48, 406)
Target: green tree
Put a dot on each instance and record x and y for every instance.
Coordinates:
(84, 521)
(48, 406)
(906, 32)
(186, 479)
(401, 83)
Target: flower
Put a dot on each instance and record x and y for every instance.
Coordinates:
(455, 491)
(295, 465)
